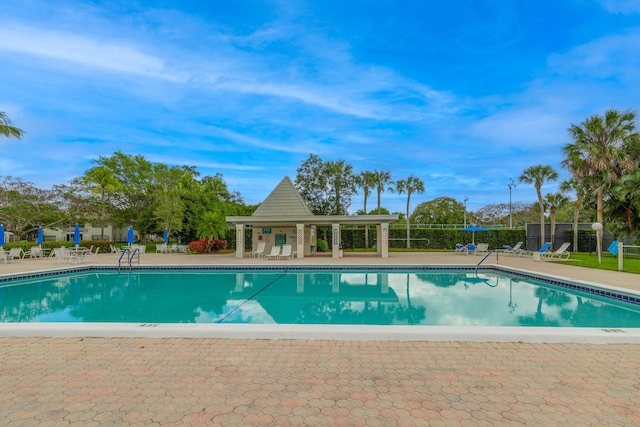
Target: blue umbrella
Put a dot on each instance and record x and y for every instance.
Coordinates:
(76, 235)
(166, 236)
(130, 235)
(1, 235)
(40, 239)
(473, 228)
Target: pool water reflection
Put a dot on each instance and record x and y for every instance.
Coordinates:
(388, 297)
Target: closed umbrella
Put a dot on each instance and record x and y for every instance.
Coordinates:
(473, 229)
(40, 239)
(1, 235)
(76, 235)
(166, 236)
(130, 235)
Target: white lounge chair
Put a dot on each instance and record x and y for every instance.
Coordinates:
(275, 253)
(460, 248)
(286, 252)
(94, 254)
(34, 252)
(259, 252)
(15, 253)
(482, 248)
(512, 250)
(560, 253)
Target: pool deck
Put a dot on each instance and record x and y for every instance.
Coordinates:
(129, 381)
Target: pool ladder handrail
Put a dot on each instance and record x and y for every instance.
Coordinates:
(124, 251)
(487, 256)
(133, 254)
(136, 251)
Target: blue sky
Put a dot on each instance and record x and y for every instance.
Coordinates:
(464, 94)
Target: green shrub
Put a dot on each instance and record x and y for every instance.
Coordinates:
(322, 246)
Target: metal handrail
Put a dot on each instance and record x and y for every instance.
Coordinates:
(134, 254)
(487, 256)
(124, 251)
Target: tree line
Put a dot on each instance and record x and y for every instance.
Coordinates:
(603, 160)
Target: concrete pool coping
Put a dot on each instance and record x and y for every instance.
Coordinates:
(562, 271)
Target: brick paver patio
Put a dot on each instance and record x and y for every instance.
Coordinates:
(185, 382)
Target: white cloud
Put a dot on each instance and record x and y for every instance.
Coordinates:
(627, 7)
(90, 51)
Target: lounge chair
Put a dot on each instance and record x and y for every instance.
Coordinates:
(259, 252)
(94, 254)
(613, 248)
(482, 248)
(162, 248)
(34, 252)
(560, 253)
(275, 253)
(460, 248)
(471, 247)
(286, 252)
(15, 253)
(115, 250)
(506, 249)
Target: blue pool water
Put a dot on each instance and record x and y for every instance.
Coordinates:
(345, 296)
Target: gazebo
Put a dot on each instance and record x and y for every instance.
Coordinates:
(285, 218)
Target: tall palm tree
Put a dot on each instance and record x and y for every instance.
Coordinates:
(411, 185)
(7, 129)
(555, 201)
(105, 181)
(598, 149)
(366, 181)
(580, 189)
(382, 182)
(538, 175)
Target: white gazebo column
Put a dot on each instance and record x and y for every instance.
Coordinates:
(384, 227)
(335, 240)
(239, 240)
(300, 240)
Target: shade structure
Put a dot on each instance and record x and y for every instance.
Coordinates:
(473, 229)
(1, 235)
(40, 238)
(76, 235)
(166, 236)
(130, 235)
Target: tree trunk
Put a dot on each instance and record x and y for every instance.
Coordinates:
(576, 214)
(541, 204)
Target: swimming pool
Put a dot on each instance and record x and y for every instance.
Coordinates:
(350, 295)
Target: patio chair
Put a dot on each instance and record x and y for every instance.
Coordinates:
(460, 248)
(115, 250)
(3, 256)
(471, 247)
(15, 253)
(482, 248)
(259, 252)
(275, 253)
(506, 249)
(34, 252)
(286, 252)
(94, 254)
(162, 248)
(560, 253)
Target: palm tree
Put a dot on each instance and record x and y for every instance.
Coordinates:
(340, 174)
(366, 181)
(538, 175)
(382, 182)
(7, 129)
(104, 180)
(581, 191)
(555, 201)
(213, 225)
(413, 184)
(598, 151)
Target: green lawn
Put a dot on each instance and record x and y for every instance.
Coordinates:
(609, 262)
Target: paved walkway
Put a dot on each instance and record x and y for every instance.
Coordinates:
(258, 382)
